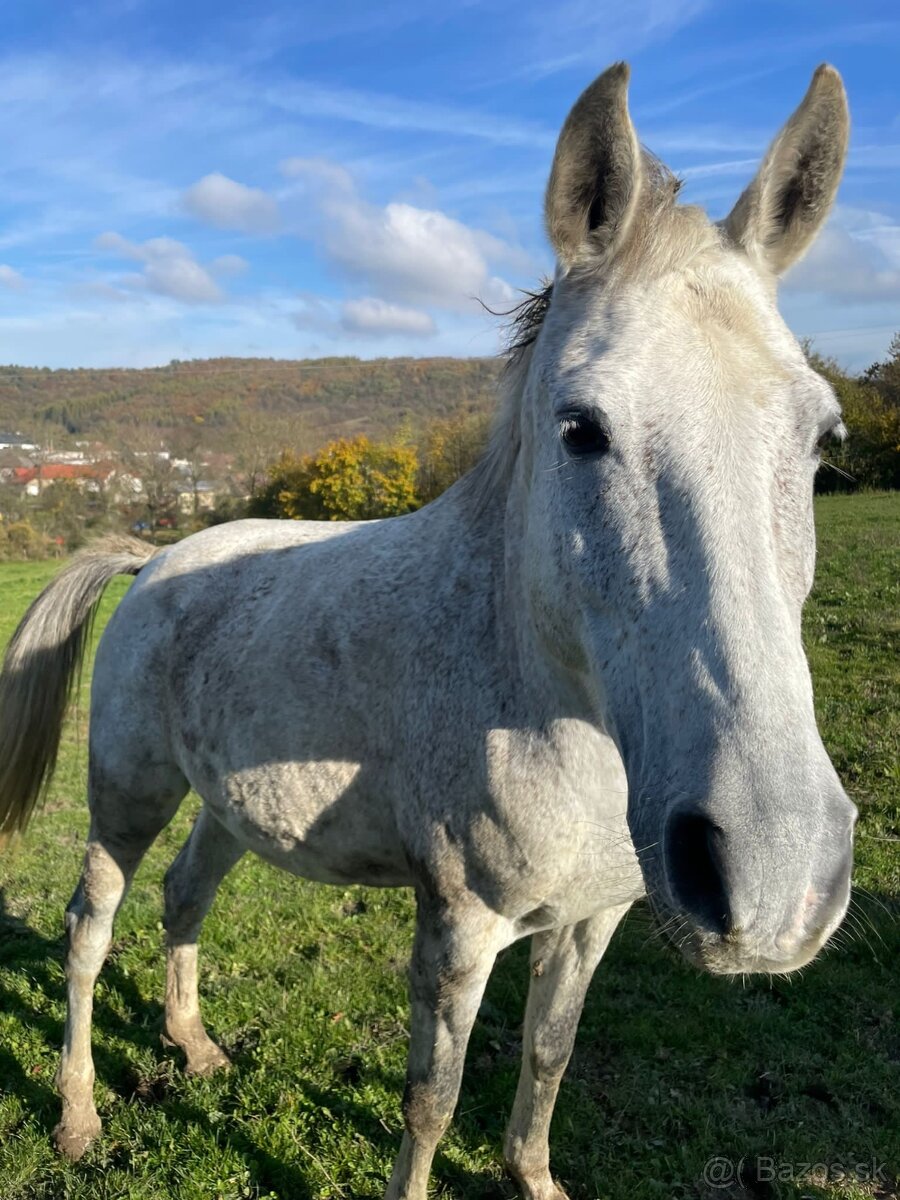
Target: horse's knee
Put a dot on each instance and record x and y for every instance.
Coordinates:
(551, 1047)
(428, 1109)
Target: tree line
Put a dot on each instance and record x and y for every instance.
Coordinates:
(869, 457)
(321, 398)
(357, 479)
(360, 476)
(353, 479)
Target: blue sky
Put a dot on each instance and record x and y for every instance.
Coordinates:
(181, 180)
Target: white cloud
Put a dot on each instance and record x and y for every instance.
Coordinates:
(228, 265)
(855, 259)
(414, 253)
(11, 279)
(169, 268)
(227, 204)
(368, 316)
(181, 278)
(409, 255)
(377, 318)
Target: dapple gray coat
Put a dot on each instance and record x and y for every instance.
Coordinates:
(575, 678)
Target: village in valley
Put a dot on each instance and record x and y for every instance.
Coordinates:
(50, 493)
(160, 452)
(95, 469)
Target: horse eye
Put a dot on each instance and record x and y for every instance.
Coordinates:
(582, 434)
(834, 435)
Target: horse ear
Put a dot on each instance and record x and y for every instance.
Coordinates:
(782, 210)
(595, 181)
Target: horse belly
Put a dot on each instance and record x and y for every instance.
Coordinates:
(326, 821)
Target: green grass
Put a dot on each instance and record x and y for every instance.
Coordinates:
(304, 985)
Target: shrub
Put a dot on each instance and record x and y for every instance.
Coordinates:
(21, 540)
(871, 454)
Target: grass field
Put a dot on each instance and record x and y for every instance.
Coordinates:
(304, 985)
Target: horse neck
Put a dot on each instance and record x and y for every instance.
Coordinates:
(489, 516)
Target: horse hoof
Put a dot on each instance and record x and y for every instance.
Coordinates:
(206, 1060)
(538, 1187)
(546, 1191)
(72, 1138)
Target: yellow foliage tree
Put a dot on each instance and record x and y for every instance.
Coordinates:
(351, 479)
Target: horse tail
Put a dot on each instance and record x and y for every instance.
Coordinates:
(42, 665)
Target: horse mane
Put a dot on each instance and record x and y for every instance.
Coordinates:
(524, 320)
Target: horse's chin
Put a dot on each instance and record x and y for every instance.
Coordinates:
(723, 955)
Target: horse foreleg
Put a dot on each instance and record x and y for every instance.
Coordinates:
(562, 964)
(452, 958)
(190, 888)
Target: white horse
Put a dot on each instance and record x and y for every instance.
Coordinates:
(460, 700)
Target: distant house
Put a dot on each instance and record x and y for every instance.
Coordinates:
(206, 493)
(16, 441)
(127, 486)
(10, 461)
(88, 477)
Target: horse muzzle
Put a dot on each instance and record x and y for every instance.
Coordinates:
(740, 904)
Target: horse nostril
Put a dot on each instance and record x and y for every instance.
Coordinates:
(695, 869)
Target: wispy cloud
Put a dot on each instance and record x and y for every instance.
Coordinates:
(547, 39)
(11, 279)
(775, 47)
(383, 111)
(733, 166)
(682, 97)
(883, 156)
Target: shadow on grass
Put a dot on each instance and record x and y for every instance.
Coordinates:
(40, 960)
(799, 1070)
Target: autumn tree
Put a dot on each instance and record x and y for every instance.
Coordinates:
(145, 458)
(449, 448)
(351, 479)
(260, 437)
(62, 512)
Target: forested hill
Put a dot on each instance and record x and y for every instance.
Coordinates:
(326, 397)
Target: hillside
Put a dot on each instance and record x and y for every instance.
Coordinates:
(320, 398)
